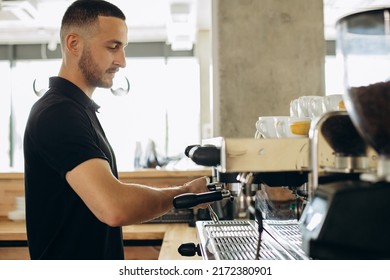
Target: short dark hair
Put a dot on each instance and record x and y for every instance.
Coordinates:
(84, 13)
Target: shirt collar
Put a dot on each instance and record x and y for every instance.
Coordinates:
(73, 92)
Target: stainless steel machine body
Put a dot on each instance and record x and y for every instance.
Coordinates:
(253, 162)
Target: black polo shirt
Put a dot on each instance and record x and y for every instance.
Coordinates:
(63, 131)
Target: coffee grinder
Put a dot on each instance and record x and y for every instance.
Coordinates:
(349, 218)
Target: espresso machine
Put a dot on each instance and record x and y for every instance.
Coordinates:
(251, 164)
(296, 163)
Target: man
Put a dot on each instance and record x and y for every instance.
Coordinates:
(75, 205)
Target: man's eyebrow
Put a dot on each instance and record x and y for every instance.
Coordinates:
(117, 42)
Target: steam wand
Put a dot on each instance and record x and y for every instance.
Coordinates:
(213, 215)
(214, 187)
(259, 218)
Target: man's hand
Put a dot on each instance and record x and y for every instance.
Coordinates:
(198, 185)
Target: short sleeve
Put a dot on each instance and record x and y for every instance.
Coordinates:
(65, 137)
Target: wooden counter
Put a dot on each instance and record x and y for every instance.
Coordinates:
(143, 238)
(172, 236)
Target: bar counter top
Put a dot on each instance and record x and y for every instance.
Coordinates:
(172, 236)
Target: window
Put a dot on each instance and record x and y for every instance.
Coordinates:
(162, 106)
(334, 76)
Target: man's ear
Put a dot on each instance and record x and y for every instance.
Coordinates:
(73, 43)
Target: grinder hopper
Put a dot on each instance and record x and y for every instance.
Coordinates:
(364, 45)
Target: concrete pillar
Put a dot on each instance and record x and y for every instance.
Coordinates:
(265, 53)
(203, 53)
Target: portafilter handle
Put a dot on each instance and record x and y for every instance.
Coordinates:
(188, 200)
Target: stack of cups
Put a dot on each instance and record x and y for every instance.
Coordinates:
(313, 106)
(19, 213)
(302, 111)
(282, 127)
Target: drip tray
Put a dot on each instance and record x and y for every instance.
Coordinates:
(238, 239)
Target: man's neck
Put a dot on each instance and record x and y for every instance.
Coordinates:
(74, 77)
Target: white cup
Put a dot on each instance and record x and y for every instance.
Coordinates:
(292, 127)
(265, 127)
(294, 105)
(316, 106)
(333, 102)
(305, 105)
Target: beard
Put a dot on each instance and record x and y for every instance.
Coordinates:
(91, 71)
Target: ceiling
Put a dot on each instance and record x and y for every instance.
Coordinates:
(37, 21)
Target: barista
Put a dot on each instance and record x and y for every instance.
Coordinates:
(75, 204)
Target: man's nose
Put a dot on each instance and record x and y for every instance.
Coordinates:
(120, 58)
